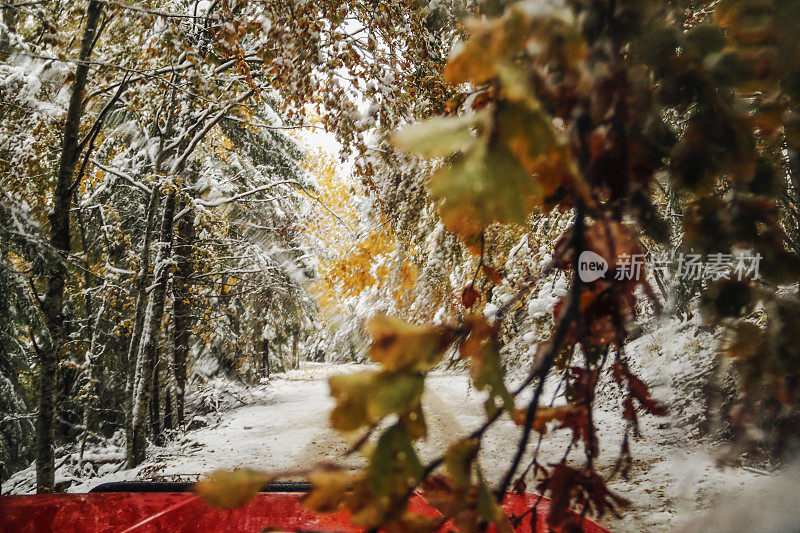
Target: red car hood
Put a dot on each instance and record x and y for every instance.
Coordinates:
(183, 512)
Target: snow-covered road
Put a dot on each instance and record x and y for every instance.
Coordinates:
(671, 479)
(290, 432)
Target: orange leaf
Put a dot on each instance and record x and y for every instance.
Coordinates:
(545, 415)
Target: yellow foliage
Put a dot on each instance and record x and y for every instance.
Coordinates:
(356, 262)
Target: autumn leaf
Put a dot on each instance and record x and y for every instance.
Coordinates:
(544, 415)
(492, 274)
(514, 159)
(364, 398)
(458, 460)
(607, 238)
(393, 393)
(488, 508)
(414, 423)
(493, 43)
(745, 341)
(351, 392)
(481, 187)
(469, 296)
(637, 388)
(477, 59)
(439, 136)
(229, 489)
(399, 345)
(566, 485)
(394, 463)
(481, 348)
(330, 484)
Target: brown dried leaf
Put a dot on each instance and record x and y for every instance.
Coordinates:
(544, 415)
(492, 274)
(746, 340)
(469, 296)
(637, 388)
(520, 486)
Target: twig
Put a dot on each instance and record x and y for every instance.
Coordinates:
(558, 338)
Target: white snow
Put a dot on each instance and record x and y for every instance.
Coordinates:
(672, 479)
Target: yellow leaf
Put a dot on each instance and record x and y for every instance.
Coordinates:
(399, 345)
(476, 60)
(350, 392)
(394, 393)
(331, 484)
(228, 489)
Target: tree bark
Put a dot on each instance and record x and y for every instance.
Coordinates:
(142, 276)
(295, 355)
(265, 357)
(52, 304)
(10, 21)
(168, 411)
(171, 396)
(155, 402)
(146, 357)
(182, 307)
(93, 363)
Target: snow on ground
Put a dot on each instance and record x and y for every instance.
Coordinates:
(288, 433)
(673, 477)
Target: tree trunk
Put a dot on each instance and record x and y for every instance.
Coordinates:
(10, 21)
(171, 397)
(93, 364)
(52, 304)
(155, 405)
(295, 355)
(146, 357)
(168, 418)
(265, 357)
(142, 276)
(182, 307)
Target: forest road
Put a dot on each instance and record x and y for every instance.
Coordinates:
(291, 432)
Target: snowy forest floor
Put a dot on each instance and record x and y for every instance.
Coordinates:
(673, 478)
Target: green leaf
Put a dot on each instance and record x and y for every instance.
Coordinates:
(489, 510)
(365, 398)
(394, 464)
(414, 423)
(458, 461)
(482, 349)
(394, 393)
(485, 186)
